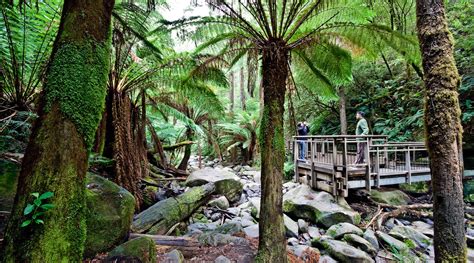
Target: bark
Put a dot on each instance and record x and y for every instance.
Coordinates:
(342, 110)
(443, 130)
(242, 89)
(187, 150)
(252, 72)
(56, 157)
(100, 134)
(231, 92)
(272, 242)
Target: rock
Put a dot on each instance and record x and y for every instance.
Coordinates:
(217, 239)
(360, 242)
(292, 241)
(174, 256)
(424, 228)
(306, 237)
(215, 217)
(339, 230)
(248, 168)
(255, 206)
(255, 175)
(393, 242)
(391, 197)
(234, 210)
(158, 218)
(222, 259)
(313, 232)
(201, 227)
(470, 241)
(247, 222)
(220, 202)
(301, 251)
(252, 231)
(302, 226)
(227, 183)
(142, 248)
(228, 228)
(318, 207)
(344, 252)
(110, 211)
(327, 259)
(237, 168)
(290, 226)
(406, 232)
(390, 223)
(290, 185)
(369, 235)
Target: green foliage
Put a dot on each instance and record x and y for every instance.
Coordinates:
(35, 210)
(289, 170)
(15, 131)
(76, 81)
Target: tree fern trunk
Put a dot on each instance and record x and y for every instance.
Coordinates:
(242, 89)
(187, 150)
(342, 110)
(272, 243)
(56, 157)
(443, 130)
(231, 92)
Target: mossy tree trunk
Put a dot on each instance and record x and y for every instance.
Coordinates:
(342, 110)
(272, 243)
(56, 158)
(443, 130)
(187, 150)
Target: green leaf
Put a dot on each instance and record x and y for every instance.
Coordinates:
(28, 209)
(37, 202)
(35, 195)
(39, 221)
(25, 223)
(46, 195)
(47, 206)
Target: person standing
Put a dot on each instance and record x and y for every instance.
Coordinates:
(362, 129)
(303, 130)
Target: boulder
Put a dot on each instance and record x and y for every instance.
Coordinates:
(220, 202)
(253, 174)
(222, 259)
(142, 248)
(160, 217)
(174, 256)
(369, 235)
(424, 228)
(327, 259)
(255, 206)
(303, 251)
(252, 231)
(391, 197)
(360, 242)
(339, 230)
(227, 183)
(290, 226)
(343, 252)
(318, 207)
(313, 232)
(408, 233)
(393, 242)
(110, 211)
(302, 226)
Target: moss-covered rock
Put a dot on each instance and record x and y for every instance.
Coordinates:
(339, 230)
(342, 251)
(391, 197)
(360, 243)
(142, 248)
(110, 213)
(227, 183)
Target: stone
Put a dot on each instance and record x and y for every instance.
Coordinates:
(301, 251)
(342, 251)
(255, 206)
(360, 243)
(391, 197)
(339, 230)
(217, 239)
(326, 259)
(369, 235)
(406, 232)
(160, 217)
(142, 248)
(424, 228)
(222, 259)
(290, 226)
(470, 241)
(393, 242)
(201, 227)
(292, 241)
(313, 232)
(318, 207)
(390, 223)
(247, 222)
(110, 211)
(252, 231)
(174, 256)
(220, 202)
(255, 175)
(227, 183)
(302, 226)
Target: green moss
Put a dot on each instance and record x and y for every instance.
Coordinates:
(77, 80)
(142, 248)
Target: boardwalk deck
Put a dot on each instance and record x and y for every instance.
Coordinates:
(329, 162)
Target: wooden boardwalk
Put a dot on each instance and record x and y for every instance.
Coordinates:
(329, 162)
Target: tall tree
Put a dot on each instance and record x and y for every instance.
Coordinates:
(443, 130)
(317, 36)
(242, 89)
(56, 157)
(342, 110)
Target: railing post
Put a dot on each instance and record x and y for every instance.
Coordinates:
(295, 160)
(408, 165)
(312, 179)
(334, 166)
(367, 170)
(377, 168)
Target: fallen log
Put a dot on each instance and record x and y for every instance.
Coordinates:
(160, 217)
(169, 240)
(399, 211)
(178, 145)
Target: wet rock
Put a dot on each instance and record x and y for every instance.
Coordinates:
(343, 252)
(302, 226)
(110, 211)
(318, 207)
(391, 197)
(408, 233)
(339, 230)
(222, 259)
(369, 235)
(220, 202)
(174, 256)
(290, 226)
(393, 242)
(226, 183)
(360, 243)
(252, 231)
(142, 248)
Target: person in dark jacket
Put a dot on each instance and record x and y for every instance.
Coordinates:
(303, 130)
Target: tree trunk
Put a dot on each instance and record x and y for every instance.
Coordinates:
(443, 130)
(242, 88)
(252, 61)
(231, 92)
(56, 157)
(272, 242)
(187, 150)
(342, 110)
